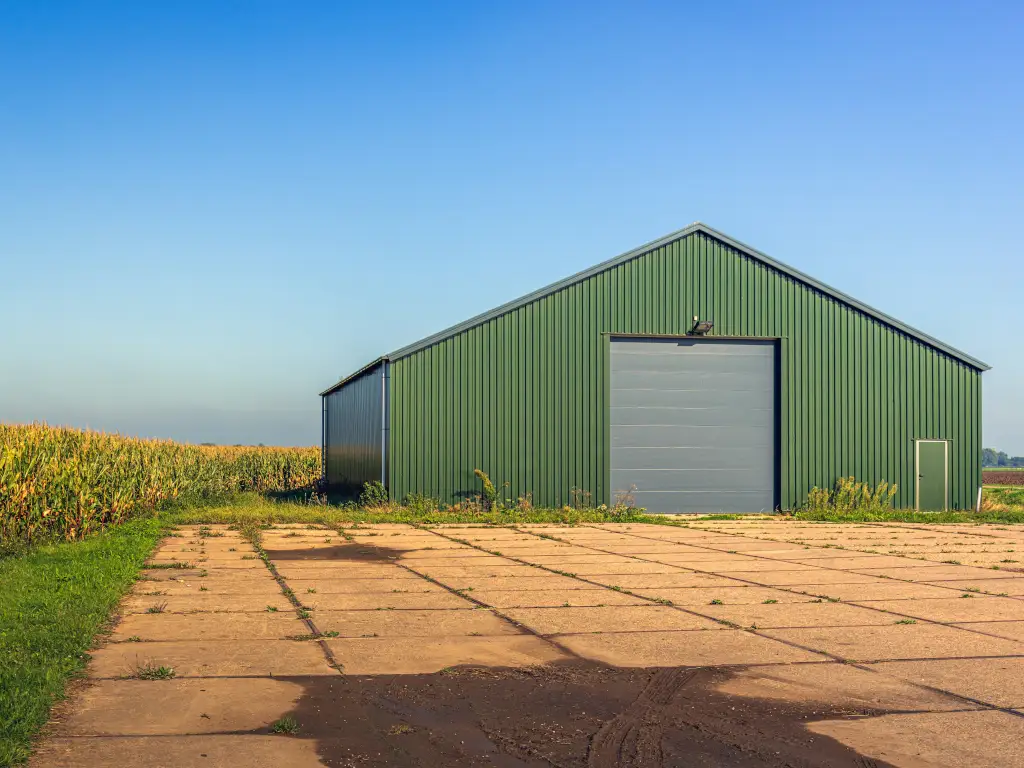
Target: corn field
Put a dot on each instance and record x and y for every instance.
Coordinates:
(66, 483)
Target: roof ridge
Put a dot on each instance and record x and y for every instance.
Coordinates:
(695, 227)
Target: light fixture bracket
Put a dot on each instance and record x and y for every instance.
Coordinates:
(701, 327)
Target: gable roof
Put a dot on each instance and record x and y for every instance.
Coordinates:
(696, 227)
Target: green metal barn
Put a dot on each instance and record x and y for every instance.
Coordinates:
(694, 373)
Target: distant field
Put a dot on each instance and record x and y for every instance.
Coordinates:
(1003, 476)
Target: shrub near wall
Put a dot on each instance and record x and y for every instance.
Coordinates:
(66, 483)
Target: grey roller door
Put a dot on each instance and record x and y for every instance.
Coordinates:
(693, 424)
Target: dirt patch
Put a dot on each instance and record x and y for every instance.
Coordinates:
(567, 715)
(1003, 477)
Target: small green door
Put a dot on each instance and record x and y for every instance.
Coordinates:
(931, 475)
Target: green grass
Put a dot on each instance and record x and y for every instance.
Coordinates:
(910, 516)
(1005, 495)
(53, 602)
(1000, 504)
(254, 510)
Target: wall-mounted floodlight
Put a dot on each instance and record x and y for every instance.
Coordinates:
(701, 327)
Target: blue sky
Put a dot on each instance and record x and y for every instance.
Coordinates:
(210, 211)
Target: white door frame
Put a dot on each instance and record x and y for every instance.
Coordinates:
(917, 472)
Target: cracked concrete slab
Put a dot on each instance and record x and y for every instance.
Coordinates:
(923, 690)
(179, 707)
(414, 623)
(994, 681)
(211, 658)
(963, 608)
(686, 648)
(221, 625)
(897, 641)
(978, 738)
(405, 656)
(176, 751)
(777, 615)
(551, 621)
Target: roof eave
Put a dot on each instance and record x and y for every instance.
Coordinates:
(368, 367)
(542, 292)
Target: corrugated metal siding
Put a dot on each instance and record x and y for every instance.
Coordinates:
(353, 427)
(524, 395)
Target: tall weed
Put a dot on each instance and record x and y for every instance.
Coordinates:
(851, 495)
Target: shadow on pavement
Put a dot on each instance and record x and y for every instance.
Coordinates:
(570, 714)
(347, 552)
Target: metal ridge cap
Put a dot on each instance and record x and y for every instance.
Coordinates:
(846, 299)
(697, 226)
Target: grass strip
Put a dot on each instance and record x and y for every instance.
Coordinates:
(53, 602)
(252, 509)
(1003, 516)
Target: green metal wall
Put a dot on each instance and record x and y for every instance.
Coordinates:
(523, 396)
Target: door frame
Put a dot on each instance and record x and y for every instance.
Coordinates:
(917, 471)
(778, 342)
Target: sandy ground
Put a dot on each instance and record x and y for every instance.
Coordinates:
(733, 643)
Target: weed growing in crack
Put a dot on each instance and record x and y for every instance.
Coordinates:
(149, 671)
(287, 725)
(177, 564)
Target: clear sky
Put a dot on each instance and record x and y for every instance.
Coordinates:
(210, 211)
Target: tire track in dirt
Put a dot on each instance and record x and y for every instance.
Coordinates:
(633, 738)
